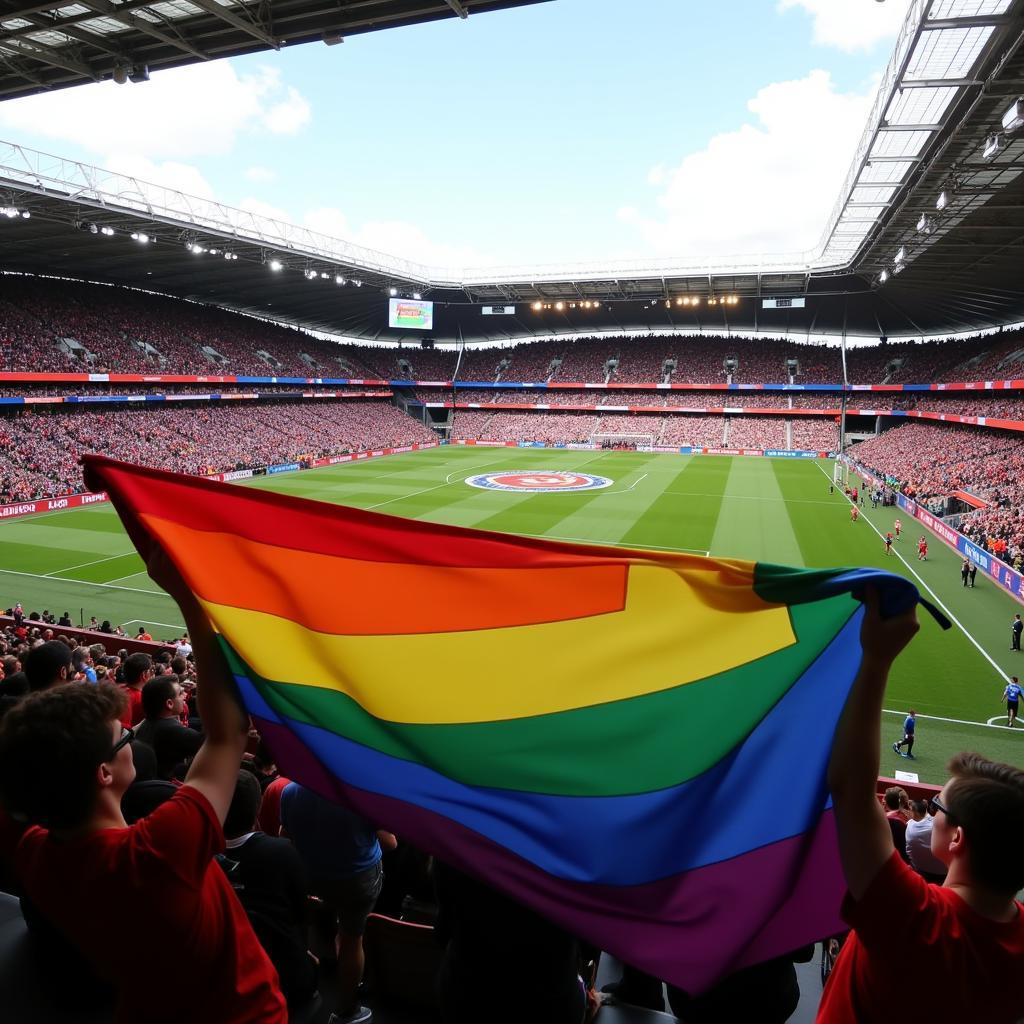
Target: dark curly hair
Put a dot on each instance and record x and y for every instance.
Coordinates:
(51, 744)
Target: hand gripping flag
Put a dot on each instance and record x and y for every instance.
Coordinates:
(632, 743)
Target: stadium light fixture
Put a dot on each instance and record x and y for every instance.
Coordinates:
(275, 265)
(925, 225)
(392, 292)
(1014, 116)
(417, 296)
(338, 279)
(559, 305)
(106, 230)
(137, 236)
(900, 256)
(536, 307)
(310, 274)
(883, 277)
(994, 145)
(231, 255)
(899, 268)
(942, 202)
(358, 284)
(324, 275)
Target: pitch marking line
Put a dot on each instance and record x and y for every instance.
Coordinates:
(630, 487)
(152, 622)
(131, 575)
(82, 565)
(990, 724)
(935, 597)
(83, 583)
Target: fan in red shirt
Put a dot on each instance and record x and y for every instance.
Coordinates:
(138, 670)
(922, 550)
(65, 762)
(968, 932)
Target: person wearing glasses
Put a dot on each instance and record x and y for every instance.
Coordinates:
(65, 763)
(969, 931)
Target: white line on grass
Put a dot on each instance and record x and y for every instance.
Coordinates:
(131, 575)
(630, 487)
(109, 558)
(464, 469)
(990, 724)
(81, 583)
(935, 597)
(152, 622)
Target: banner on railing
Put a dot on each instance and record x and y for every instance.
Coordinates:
(64, 501)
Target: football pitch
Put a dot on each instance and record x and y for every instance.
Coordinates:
(773, 510)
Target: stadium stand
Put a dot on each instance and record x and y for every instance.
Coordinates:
(39, 452)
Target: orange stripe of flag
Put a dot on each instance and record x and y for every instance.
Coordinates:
(348, 596)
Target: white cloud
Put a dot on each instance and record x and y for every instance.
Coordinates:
(170, 174)
(851, 25)
(393, 237)
(179, 113)
(763, 188)
(260, 174)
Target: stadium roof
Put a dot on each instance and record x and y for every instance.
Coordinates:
(893, 260)
(53, 45)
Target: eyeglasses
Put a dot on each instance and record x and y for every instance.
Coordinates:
(940, 806)
(126, 737)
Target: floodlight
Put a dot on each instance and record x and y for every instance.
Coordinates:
(1014, 116)
(213, 252)
(899, 268)
(358, 284)
(900, 256)
(338, 279)
(942, 202)
(392, 292)
(106, 230)
(120, 75)
(695, 301)
(925, 224)
(536, 307)
(559, 305)
(324, 275)
(26, 214)
(275, 265)
(883, 277)
(994, 145)
(417, 296)
(310, 274)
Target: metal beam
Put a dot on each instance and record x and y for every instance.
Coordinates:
(978, 21)
(457, 7)
(175, 39)
(886, 127)
(938, 83)
(242, 24)
(47, 55)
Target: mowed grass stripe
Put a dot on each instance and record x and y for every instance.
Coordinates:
(754, 518)
(685, 514)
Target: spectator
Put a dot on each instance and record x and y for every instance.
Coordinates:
(270, 882)
(919, 843)
(970, 931)
(342, 854)
(48, 665)
(137, 671)
(161, 729)
(64, 765)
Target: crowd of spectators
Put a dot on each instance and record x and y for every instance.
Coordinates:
(39, 452)
(928, 461)
(756, 432)
(811, 434)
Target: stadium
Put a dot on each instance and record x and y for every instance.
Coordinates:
(856, 404)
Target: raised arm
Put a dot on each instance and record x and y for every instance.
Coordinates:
(214, 769)
(865, 842)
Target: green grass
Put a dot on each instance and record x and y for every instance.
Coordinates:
(775, 510)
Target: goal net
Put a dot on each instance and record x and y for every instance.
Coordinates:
(839, 473)
(622, 440)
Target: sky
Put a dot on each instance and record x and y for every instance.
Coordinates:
(570, 131)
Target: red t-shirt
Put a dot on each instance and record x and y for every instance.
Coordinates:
(908, 931)
(133, 713)
(269, 819)
(148, 905)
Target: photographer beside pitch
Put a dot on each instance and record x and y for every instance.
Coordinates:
(968, 932)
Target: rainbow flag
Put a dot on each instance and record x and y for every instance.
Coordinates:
(632, 743)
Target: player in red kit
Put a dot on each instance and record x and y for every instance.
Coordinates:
(888, 543)
(922, 550)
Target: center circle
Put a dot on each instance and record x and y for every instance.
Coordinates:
(539, 481)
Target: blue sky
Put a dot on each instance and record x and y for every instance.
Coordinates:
(573, 130)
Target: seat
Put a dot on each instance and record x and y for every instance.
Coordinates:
(402, 962)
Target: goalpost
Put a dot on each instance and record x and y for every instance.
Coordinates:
(612, 439)
(840, 473)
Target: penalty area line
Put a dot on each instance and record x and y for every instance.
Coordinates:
(990, 724)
